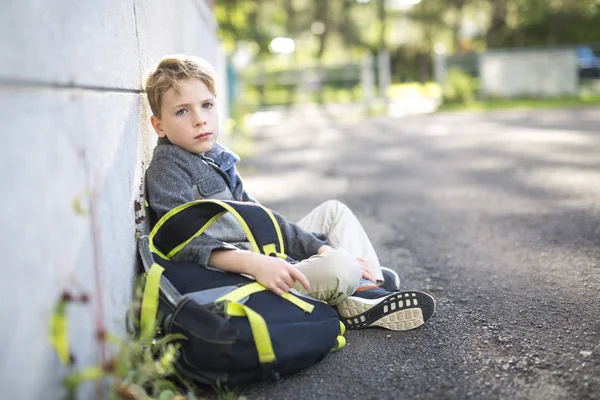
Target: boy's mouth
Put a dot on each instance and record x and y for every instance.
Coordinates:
(203, 136)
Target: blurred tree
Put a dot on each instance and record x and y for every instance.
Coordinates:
(347, 27)
(323, 14)
(498, 28)
(326, 29)
(382, 18)
(457, 9)
(241, 20)
(431, 19)
(542, 22)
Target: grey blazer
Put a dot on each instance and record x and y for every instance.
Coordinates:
(176, 176)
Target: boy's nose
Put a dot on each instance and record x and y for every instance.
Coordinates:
(199, 121)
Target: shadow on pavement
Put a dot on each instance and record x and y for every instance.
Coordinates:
(495, 214)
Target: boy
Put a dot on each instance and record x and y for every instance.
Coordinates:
(188, 164)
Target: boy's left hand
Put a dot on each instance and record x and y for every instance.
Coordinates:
(364, 267)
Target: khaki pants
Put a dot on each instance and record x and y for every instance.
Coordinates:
(335, 275)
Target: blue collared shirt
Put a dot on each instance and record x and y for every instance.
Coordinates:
(226, 160)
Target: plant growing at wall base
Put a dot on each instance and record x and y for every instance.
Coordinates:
(137, 369)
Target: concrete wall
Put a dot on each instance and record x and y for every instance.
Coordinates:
(534, 72)
(74, 122)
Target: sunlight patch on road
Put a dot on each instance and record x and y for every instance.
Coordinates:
(550, 136)
(571, 181)
(263, 118)
(480, 164)
(480, 199)
(288, 185)
(396, 154)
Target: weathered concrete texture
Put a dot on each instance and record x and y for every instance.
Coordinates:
(63, 149)
(166, 29)
(75, 144)
(188, 28)
(90, 43)
(537, 72)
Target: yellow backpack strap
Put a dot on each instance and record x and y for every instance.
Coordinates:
(255, 287)
(184, 223)
(244, 291)
(303, 305)
(260, 332)
(340, 341)
(150, 302)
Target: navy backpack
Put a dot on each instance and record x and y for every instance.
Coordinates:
(235, 330)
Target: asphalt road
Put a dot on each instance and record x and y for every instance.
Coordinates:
(497, 215)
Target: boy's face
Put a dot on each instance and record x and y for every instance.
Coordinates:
(189, 117)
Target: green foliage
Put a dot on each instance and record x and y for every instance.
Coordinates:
(282, 87)
(459, 87)
(352, 27)
(135, 369)
(414, 90)
(525, 103)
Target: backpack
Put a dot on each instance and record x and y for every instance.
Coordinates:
(236, 331)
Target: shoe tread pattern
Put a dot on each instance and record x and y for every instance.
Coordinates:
(392, 313)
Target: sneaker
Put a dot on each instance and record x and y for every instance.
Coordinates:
(397, 311)
(391, 280)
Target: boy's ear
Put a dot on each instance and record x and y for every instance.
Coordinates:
(157, 125)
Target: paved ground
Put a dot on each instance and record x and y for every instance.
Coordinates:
(497, 215)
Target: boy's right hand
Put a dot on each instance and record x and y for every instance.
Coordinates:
(278, 275)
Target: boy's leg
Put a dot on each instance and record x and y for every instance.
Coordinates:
(344, 231)
(333, 276)
(367, 305)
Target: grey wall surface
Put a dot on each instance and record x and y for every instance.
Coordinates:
(532, 72)
(75, 137)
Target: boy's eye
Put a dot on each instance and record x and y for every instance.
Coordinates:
(181, 112)
(207, 105)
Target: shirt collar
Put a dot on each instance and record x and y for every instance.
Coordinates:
(221, 155)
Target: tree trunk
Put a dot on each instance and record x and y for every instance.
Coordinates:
(553, 30)
(322, 44)
(458, 6)
(456, 41)
(423, 60)
(322, 14)
(382, 24)
(519, 37)
(346, 26)
(495, 33)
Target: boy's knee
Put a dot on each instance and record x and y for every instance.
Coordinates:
(345, 268)
(335, 207)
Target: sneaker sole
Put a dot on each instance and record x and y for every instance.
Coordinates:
(400, 311)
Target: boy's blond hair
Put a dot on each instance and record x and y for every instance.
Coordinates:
(173, 69)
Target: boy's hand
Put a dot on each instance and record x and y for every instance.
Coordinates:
(279, 276)
(364, 267)
(275, 274)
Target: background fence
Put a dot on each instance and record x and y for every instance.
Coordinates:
(520, 71)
